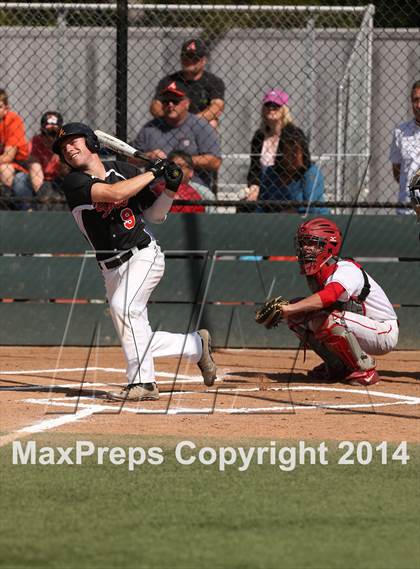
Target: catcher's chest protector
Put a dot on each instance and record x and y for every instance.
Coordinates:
(317, 283)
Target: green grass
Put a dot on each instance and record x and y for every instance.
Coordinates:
(173, 516)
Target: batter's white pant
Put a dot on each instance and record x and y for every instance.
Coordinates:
(128, 289)
(375, 338)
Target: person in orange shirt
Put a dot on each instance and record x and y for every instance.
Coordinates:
(14, 147)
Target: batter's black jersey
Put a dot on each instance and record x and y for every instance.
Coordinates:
(109, 227)
(200, 92)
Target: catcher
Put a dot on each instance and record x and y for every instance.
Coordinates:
(348, 318)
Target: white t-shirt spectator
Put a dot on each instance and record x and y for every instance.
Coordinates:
(405, 150)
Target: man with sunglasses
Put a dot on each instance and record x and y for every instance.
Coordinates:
(179, 129)
(205, 90)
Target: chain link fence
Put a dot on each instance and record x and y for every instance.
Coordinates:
(304, 122)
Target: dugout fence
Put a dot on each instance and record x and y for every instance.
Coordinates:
(348, 80)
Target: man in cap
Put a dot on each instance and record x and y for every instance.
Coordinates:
(46, 171)
(205, 90)
(179, 129)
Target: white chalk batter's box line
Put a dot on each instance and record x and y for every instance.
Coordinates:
(85, 410)
(118, 407)
(195, 379)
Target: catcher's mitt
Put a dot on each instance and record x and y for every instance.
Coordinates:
(271, 313)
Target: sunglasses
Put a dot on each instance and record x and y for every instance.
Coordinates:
(271, 106)
(190, 58)
(173, 101)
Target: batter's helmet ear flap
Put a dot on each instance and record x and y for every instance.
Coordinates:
(92, 142)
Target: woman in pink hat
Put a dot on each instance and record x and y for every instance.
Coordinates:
(275, 116)
(281, 168)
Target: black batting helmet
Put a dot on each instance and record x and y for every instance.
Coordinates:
(73, 128)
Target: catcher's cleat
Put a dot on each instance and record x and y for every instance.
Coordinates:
(135, 392)
(325, 372)
(368, 377)
(206, 364)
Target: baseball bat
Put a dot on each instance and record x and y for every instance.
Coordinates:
(121, 147)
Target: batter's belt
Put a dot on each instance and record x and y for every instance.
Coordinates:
(121, 259)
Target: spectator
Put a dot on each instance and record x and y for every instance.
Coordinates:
(205, 90)
(275, 115)
(294, 177)
(46, 170)
(405, 148)
(185, 191)
(180, 129)
(14, 151)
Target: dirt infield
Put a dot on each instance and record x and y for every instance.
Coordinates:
(256, 396)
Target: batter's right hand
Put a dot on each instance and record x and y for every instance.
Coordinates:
(158, 168)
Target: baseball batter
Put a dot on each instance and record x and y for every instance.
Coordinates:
(112, 204)
(348, 318)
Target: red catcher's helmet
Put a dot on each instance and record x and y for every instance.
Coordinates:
(316, 241)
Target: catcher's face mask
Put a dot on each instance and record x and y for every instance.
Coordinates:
(316, 242)
(312, 253)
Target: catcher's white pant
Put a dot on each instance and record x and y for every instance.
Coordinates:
(128, 289)
(375, 338)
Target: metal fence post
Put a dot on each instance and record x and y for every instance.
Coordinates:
(121, 65)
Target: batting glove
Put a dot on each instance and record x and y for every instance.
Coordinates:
(158, 168)
(173, 176)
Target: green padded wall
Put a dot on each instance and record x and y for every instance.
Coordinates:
(232, 326)
(229, 287)
(267, 234)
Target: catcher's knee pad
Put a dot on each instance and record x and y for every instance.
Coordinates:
(343, 343)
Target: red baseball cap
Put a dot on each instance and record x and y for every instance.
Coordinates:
(175, 89)
(194, 48)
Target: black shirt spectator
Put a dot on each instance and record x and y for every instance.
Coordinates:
(205, 90)
(200, 91)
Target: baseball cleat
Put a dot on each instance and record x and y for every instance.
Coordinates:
(324, 372)
(368, 377)
(135, 392)
(206, 364)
